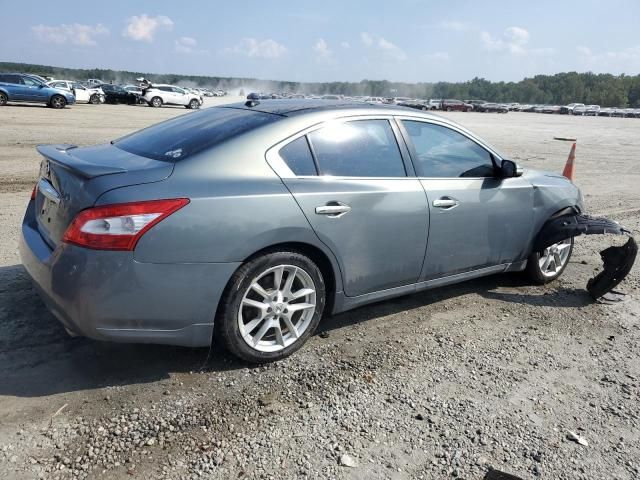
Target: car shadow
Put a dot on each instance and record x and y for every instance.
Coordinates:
(38, 357)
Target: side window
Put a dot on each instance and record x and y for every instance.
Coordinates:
(298, 158)
(178, 90)
(30, 82)
(359, 148)
(16, 79)
(442, 152)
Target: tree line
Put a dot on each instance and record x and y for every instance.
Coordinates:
(602, 89)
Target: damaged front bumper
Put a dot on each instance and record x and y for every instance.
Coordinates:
(618, 261)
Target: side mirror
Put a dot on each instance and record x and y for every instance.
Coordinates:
(510, 169)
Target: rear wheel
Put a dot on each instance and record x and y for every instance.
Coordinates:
(449, 109)
(156, 102)
(3, 99)
(271, 306)
(547, 265)
(57, 102)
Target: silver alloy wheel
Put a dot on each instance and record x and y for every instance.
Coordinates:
(277, 308)
(553, 258)
(57, 102)
(157, 102)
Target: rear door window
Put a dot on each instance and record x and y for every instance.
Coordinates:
(358, 148)
(186, 135)
(442, 152)
(298, 158)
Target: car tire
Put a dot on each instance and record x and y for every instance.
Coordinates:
(194, 104)
(449, 109)
(58, 102)
(255, 340)
(541, 271)
(94, 99)
(3, 99)
(156, 102)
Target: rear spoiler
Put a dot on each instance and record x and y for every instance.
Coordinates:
(60, 155)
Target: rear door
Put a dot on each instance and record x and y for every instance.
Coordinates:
(477, 219)
(357, 195)
(17, 89)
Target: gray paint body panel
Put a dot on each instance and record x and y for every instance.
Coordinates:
(242, 201)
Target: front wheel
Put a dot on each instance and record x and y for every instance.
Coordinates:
(95, 99)
(194, 104)
(3, 99)
(271, 306)
(156, 102)
(57, 102)
(547, 265)
(449, 109)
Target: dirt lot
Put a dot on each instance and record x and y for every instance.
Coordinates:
(448, 383)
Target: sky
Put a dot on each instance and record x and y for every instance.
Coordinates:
(329, 40)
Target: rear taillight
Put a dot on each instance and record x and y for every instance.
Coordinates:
(119, 226)
(34, 191)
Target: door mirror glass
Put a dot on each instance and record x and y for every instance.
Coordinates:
(509, 169)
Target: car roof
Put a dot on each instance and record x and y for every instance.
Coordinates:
(292, 106)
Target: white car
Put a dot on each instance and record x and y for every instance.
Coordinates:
(83, 94)
(158, 95)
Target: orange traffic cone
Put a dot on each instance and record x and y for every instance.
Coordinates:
(569, 168)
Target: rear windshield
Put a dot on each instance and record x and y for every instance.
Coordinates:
(178, 138)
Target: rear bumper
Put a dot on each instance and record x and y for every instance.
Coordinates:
(109, 296)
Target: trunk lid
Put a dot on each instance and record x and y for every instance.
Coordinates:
(71, 179)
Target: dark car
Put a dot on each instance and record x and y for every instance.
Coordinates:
(451, 105)
(418, 105)
(117, 94)
(492, 107)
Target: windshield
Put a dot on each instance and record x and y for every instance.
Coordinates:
(180, 137)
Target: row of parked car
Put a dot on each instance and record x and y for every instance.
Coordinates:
(20, 87)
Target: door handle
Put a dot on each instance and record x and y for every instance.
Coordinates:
(333, 209)
(446, 202)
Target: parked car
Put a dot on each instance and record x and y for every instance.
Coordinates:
(568, 109)
(550, 109)
(117, 94)
(19, 87)
(250, 224)
(158, 95)
(492, 107)
(592, 110)
(475, 103)
(451, 105)
(416, 104)
(94, 81)
(83, 94)
(579, 110)
(605, 112)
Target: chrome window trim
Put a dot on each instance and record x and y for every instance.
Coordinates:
(281, 168)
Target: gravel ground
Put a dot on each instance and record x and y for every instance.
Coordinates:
(539, 382)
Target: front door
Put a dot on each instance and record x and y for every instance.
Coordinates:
(355, 193)
(477, 219)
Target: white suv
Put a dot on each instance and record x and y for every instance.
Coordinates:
(158, 95)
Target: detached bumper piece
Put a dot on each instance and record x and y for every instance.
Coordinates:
(618, 261)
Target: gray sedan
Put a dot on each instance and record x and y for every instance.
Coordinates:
(251, 221)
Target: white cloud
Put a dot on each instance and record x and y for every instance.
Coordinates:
(185, 44)
(251, 47)
(322, 49)
(345, 45)
(391, 51)
(454, 26)
(386, 49)
(75, 34)
(366, 39)
(514, 40)
(144, 27)
(625, 60)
